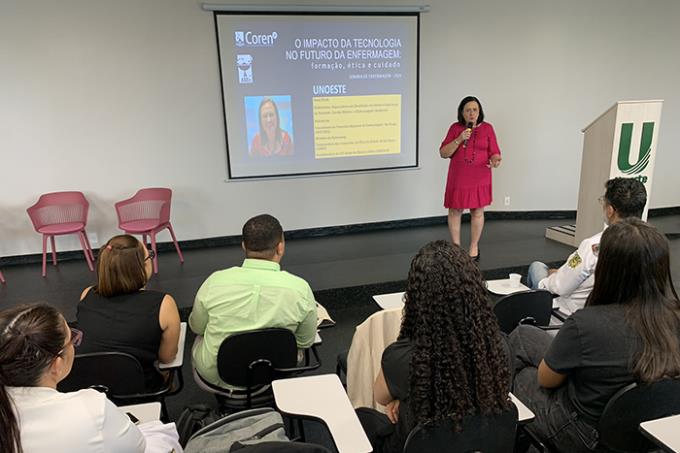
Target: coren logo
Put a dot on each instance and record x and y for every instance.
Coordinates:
(239, 38)
(625, 166)
(250, 39)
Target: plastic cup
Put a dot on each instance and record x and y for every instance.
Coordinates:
(514, 280)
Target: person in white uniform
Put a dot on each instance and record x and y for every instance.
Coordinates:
(36, 353)
(573, 281)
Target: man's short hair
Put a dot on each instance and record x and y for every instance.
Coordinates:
(261, 234)
(627, 196)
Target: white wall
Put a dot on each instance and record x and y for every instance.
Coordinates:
(109, 96)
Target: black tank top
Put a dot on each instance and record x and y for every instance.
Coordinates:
(123, 323)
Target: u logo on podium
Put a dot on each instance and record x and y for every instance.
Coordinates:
(645, 153)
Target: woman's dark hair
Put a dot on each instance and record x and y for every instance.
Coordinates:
(459, 366)
(31, 336)
(633, 269)
(263, 136)
(120, 266)
(465, 100)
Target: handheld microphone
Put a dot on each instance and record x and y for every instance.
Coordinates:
(469, 126)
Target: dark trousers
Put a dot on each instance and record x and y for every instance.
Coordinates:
(557, 423)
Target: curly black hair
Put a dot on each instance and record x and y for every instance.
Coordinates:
(627, 196)
(459, 366)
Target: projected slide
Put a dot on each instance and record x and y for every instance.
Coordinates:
(311, 94)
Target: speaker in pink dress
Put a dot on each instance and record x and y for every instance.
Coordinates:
(468, 185)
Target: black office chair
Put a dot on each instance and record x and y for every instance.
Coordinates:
(252, 360)
(120, 376)
(480, 433)
(341, 366)
(633, 404)
(532, 307)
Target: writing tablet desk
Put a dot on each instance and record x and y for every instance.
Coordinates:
(179, 358)
(323, 397)
(145, 412)
(664, 432)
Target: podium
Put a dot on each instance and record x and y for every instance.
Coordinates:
(620, 142)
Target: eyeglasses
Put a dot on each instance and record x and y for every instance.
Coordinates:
(76, 339)
(151, 255)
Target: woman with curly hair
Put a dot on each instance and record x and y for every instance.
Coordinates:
(449, 360)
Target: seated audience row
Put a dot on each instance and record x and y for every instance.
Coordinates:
(119, 314)
(450, 361)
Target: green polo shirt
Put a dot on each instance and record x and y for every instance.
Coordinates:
(254, 296)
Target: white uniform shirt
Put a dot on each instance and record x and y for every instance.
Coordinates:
(574, 280)
(77, 422)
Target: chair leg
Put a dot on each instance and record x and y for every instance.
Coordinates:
(86, 252)
(164, 412)
(301, 430)
(155, 258)
(54, 251)
(89, 247)
(221, 405)
(44, 261)
(2, 278)
(174, 239)
(145, 240)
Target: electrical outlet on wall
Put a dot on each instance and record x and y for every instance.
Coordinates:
(507, 201)
(94, 241)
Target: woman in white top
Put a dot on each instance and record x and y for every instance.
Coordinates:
(36, 353)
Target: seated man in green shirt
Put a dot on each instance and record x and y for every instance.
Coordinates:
(256, 295)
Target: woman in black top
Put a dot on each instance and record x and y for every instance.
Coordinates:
(119, 315)
(628, 332)
(449, 360)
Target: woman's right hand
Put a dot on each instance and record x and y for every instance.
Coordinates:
(464, 135)
(392, 411)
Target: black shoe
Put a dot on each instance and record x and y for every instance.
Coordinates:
(476, 257)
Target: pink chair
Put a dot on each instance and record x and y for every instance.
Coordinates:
(2, 278)
(61, 213)
(147, 213)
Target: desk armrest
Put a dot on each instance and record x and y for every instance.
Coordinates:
(179, 358)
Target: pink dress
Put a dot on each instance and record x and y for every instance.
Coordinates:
(468, 184)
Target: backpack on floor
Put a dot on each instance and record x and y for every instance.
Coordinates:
(235, 431)
(194, 418)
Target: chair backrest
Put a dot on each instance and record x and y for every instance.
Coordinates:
(116, 373)
(252, 358)
(633, 404)
(59, 207)
(147, 204)
(480, 433)
(523, 306)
